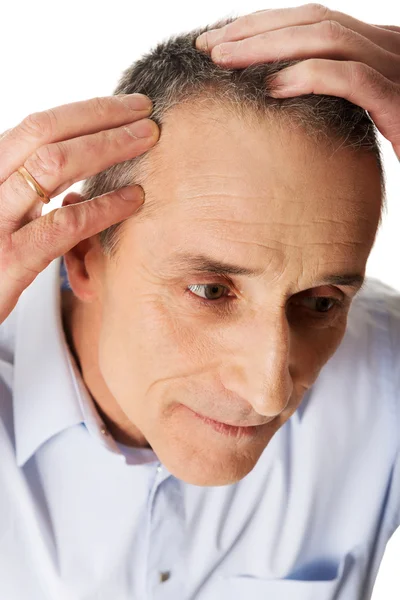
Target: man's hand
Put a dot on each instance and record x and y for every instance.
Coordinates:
(345, 57)
(59, 147)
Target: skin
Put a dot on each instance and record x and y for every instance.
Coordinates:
(146, 345)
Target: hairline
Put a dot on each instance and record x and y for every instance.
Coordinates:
(140, 168)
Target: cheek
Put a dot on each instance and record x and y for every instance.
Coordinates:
(147, 343)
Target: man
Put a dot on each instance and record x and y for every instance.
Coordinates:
(211, 410)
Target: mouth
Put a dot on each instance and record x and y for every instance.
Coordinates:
(230, 430)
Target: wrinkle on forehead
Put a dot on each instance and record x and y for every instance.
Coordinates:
(218, 177)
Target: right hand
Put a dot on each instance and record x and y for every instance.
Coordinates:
(60, 147)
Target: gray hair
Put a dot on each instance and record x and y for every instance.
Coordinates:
(175, 72)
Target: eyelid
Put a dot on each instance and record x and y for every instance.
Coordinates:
(319, 291)
(340, 299)
(227, 304)
(226, 282)
(210, 283)
(216, 279)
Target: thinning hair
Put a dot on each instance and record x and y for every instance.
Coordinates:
(175, 72)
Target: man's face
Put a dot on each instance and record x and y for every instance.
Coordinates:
(239, 348)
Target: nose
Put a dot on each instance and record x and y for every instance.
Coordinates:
(258, 367)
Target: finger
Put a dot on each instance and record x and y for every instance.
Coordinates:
(270, 20)
(57, 166)
(35, 212)
(353, 81)
(68, 121)
(54, 234)
(389, 28)
(327, 39)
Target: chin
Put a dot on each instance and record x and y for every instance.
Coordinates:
(205, 476)
(201, 454)
(206, 465)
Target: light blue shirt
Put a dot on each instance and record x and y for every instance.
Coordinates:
(85, 518)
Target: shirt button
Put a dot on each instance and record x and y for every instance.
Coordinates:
(164, 576)
(159, 469)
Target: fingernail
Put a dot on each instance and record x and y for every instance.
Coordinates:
(201, 42)
(278, 93)
(209, 38)
(275, 89)
(141, 129)
(283, 78)
(280, 83)
(221, 53)
(136, 101)
(132, 193)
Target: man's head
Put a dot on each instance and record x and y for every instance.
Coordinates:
(288, 193)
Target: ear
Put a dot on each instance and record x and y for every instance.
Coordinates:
(84, 262)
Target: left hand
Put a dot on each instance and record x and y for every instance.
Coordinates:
(345, 57)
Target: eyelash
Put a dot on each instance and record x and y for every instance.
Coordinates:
(222, 302)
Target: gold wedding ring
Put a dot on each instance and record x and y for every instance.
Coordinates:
(34, 185)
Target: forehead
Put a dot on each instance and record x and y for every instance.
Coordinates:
(261, 180)
(209, 149)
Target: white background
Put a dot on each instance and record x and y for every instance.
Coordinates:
(53, 53)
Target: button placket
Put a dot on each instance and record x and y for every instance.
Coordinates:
(166, 537)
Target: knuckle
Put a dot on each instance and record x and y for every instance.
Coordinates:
(100, 106)
(38, 125)
(18, 270)
(331, 30)
(66, 221)
(318, 12)
(311, 68)
(357, 74)
(362, 76)
(47, 159)
(108, 137)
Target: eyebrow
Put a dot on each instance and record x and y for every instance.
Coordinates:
(200, 263)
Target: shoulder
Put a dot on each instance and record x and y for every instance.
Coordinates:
(378, 303)
(8, 330)
(7, 337)
(374, 326)
(7, 349)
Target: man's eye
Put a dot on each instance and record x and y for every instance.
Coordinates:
(208, 291)
(319, 304)
(211, 293)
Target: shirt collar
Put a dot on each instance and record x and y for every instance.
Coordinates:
(49, 392)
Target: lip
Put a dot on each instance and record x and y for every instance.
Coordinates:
(231, 430)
